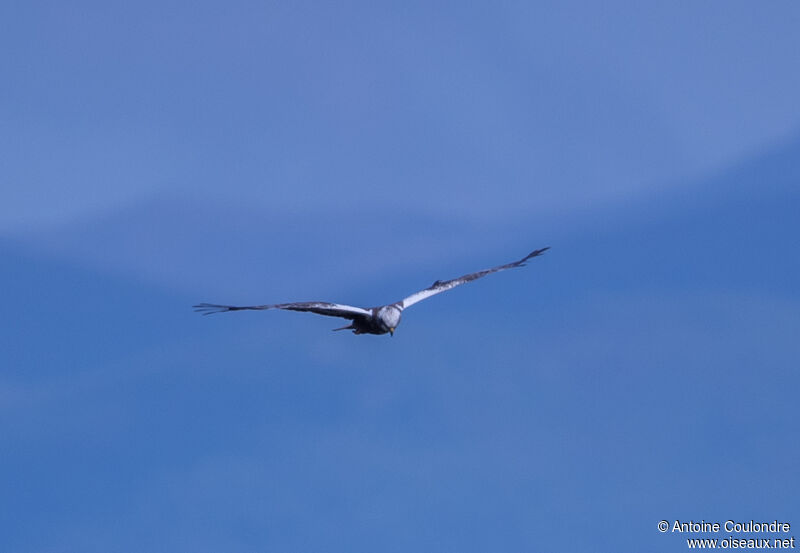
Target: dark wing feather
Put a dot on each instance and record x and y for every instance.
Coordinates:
(443, 285)
(319, 307)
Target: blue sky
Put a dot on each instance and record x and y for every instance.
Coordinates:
(163, 154)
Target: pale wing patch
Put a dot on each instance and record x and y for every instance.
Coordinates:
(432, 291)
(326, 308)
(351, 309)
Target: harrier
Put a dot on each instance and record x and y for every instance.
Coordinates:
(371, 320)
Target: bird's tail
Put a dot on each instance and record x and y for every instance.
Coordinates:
(348, 327)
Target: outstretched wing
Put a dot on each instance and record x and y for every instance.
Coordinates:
(319, 307)
(444, 285)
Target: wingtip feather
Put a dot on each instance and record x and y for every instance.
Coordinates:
(535, 253)
(210, 308)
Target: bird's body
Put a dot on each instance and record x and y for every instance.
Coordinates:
(373, 320)
(380, 320)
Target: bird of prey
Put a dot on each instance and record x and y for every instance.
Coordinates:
(371, 320)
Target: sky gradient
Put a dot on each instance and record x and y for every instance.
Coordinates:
(161, 155)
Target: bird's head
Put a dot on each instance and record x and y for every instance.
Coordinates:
(389, 316)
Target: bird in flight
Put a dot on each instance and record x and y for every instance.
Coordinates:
(370, 320)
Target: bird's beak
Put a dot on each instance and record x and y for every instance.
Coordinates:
(391, 331)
